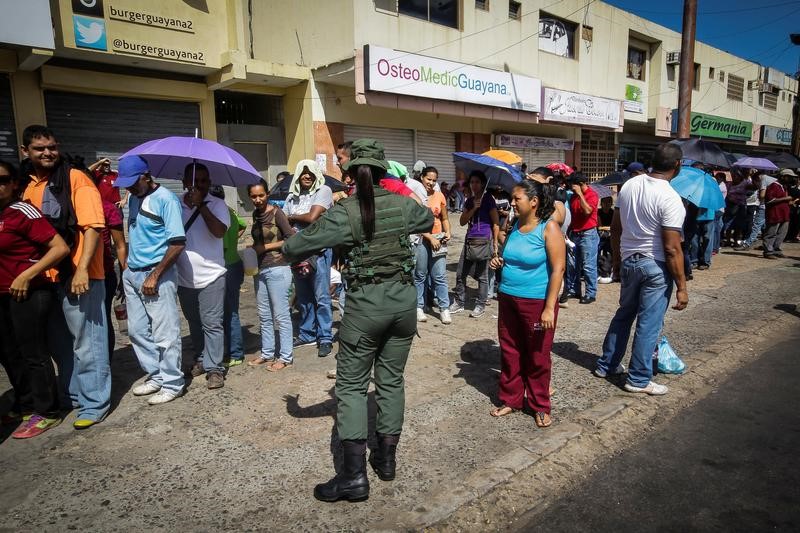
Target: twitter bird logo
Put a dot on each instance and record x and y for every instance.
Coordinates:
(89, 32)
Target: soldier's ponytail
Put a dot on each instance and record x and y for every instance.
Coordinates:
(366, 177)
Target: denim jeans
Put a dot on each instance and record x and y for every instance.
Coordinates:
(234, 278)
(586, 245)
(644, 297)
(79, 340)
(480, 274)
(314, 302)
(758, 225)
(204, 310)
(436, 267)
(719, 222)
(702, 242)
(154, 327)
(272, 285)
(111, 288)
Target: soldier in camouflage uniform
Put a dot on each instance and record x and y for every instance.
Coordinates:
(371, 229)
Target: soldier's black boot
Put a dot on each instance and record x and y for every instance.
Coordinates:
(351, 482)
(382, 458)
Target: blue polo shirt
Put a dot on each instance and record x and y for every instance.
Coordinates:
(154, 222)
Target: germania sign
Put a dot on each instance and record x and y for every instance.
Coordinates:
(394, 71)
(703, 125)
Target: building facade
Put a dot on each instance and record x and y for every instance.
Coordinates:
(284, 80)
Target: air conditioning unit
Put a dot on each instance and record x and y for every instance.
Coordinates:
(767, 88)
(754, 85)
(673, 58)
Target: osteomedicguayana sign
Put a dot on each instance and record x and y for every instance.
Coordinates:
(575, 108)
(394, 71)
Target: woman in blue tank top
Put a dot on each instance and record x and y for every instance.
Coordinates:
(533, 268)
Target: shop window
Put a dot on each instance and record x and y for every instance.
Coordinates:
(444, 12)
(711, 73)
(722, 76)
(245, 108)
(482, 4)
(671, 75)
(557, 36)
(514, 10)
(598, 153)
(696, 77)
(735, 88)
(769, 101)
(636, 63)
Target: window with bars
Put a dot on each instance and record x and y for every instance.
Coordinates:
(557, 36)
(769, 101)
(514, 10)
(735, 88)
(597, 153)
(482, 4)
(636, 63)
(722, 76)
(444, 12)
(711, 73)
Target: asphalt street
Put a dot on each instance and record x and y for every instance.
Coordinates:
(728, 463)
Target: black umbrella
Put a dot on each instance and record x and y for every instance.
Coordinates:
(705, 152)
(283, 186)
(784, 160)
(615, 178)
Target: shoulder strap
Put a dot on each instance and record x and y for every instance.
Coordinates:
(192, 218)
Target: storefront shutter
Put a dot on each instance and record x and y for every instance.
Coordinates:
(9, 150)
(436, 149)
(398, 144)
(95, 127)
(537, 158)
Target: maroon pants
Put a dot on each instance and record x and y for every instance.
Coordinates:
(525, 351)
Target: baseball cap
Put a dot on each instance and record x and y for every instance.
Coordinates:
(129, 171)
(635, 167)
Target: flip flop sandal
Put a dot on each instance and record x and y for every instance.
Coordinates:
(542, 420)
(278, 366)
(501, 411)
(261, 361)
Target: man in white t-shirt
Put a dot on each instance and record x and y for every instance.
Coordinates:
(651, 215)
(201, 273)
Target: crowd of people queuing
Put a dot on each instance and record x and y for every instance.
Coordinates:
(378, 247)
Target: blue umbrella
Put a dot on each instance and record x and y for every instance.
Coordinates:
(699, 188)
(497, 172)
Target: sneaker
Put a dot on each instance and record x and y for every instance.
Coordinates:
(34, 426)
(215, 380)
(779, 254)
(563, 305)
(770, 256)
(444, 316)
(702, 267)
(456, 307)
(616, 372)
(421, 315)
(297, 343)
(605, 280)
(233, 362)
(146, 388)
(197, 369)
(163, 396)
(588, 300)
(477, 312)
(325, 349)
(652, 388)
(742, 248)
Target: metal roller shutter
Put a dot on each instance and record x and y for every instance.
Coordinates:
(8, 133)
(436, 150)
(108, 126)
(538, 158)
(398, 145)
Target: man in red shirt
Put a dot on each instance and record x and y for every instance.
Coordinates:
(777, 202)
(104, 178)
(583, 232)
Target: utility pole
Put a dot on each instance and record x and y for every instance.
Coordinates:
(687, 68)
(795, 39)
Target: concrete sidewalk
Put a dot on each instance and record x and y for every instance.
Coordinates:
(247, 457)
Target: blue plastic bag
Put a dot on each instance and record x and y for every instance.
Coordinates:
(668, 360)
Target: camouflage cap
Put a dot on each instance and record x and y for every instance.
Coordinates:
(367, 152)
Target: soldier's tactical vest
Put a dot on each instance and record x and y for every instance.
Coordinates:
(388, 256)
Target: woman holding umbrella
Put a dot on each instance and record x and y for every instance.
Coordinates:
(372, 229)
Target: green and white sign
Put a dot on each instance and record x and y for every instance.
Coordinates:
(633, 99)
(703, 125)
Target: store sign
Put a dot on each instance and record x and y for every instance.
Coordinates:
(703, 125)
(633, 99)
(574, 108)
(393, 71)
(773, 135)
(505, 140)
(147, 19)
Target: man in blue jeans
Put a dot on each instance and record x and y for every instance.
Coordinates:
(583, 207)
(157, 238)
(761, 182)
(651, 215)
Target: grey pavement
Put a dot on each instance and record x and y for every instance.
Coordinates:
(246, 457)
(728, 463)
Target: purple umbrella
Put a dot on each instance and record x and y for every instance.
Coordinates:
(758, 163)
(169, 156)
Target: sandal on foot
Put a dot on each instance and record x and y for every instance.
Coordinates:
(542, 419)
(277, 366)
(258, 361)
(504, 410)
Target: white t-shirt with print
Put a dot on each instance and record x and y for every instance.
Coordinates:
(646, 206)
(301, 204)
(203, 260)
